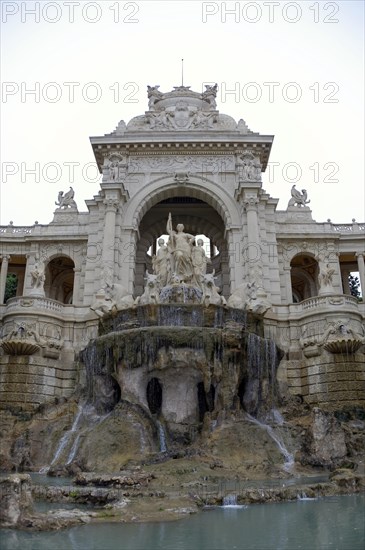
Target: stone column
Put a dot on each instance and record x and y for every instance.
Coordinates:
(254, 252)
(3, 275)
(76, 290)
(361, 266)
(288, 287)
(107, 256)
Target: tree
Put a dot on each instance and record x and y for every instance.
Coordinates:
(10, 286)
(354, 285)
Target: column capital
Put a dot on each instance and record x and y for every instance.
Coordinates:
(5, 257)
(360, 254)
(111, 204)
(250, 204)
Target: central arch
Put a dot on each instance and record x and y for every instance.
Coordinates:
(197, 187)
(198, 217)
(203, 206)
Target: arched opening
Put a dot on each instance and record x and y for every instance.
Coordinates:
(11, 286)
(304, 277)
(205, 400)
(154, 396)
(59, 284)
(15, 277)
(349, 272)
(249, 394)
(198, 218)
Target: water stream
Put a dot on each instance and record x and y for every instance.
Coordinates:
(66, 438)
(161, 436)
(277, 438)
(85, 420)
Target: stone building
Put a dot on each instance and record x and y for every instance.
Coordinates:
(182, 157)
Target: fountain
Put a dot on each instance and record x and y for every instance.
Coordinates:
(177, 357)
(342, 338)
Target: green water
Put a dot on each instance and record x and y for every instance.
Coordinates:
(333, 523)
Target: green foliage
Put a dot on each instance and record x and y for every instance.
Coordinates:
(10, 286)
(354, 285)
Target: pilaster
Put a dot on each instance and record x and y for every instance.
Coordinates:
(3, 274)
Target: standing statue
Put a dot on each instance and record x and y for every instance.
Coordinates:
(161, 263)
(298, 198)
(180, 246)
(114, 171)
(37, 276)
(199, 260)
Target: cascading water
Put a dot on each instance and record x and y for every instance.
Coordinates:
(65, 439)
(229, 500)
(161, 437)
(86, 419)
(288, 456)
(258, 389)
(161, 352)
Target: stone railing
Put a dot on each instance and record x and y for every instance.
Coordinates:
(24, 302)
(11, 229)
(348, 227)
(334, 300)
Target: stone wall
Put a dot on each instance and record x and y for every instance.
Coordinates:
(29, 381)
(329, 379)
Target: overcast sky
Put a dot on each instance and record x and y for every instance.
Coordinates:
(292, 69)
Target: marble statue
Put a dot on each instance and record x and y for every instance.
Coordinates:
(66, 200)
(114, 171)
(180, 246)
(210, 94)
(200, 260)
(249, 167)
(250, 297)
(37, 276)
(151, 291)
(119, 296)
(153, 95)
(211, 291)
(298, 198)
(103, 303)
(161, 263)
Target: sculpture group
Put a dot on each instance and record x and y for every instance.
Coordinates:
(182, 261)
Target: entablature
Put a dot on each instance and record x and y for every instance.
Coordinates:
(192, 145)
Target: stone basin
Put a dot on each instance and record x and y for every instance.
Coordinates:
(20, 346)
(343, 345)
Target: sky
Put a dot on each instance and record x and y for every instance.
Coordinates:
(74, 69)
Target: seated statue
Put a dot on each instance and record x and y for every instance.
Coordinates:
(119, 296)
(298, 198)
(151, 292)
(66, 200)
(210, 292)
